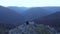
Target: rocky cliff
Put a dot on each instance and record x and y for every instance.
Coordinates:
(33, 28)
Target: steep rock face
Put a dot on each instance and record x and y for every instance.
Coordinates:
(33, 28)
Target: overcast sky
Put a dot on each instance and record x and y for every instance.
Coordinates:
(30, 3)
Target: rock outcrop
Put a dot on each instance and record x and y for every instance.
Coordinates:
(33, 28)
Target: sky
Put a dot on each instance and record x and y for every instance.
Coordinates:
(30, 3)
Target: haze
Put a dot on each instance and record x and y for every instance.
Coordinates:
(30, 3)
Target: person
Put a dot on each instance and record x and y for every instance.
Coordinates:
(27, 22)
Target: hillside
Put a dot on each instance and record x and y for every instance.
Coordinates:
(35, 12)
(9, 16)
(9, 19)
(19, 10)
(52, 8)
(52, 20)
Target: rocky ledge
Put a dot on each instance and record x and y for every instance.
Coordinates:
(32, 28)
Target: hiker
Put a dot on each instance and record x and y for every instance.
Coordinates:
(27, 22)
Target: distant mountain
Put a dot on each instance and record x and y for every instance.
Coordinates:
(52, 20)
(18, 9)
(52, 9)
(9, 16)
(35, 12)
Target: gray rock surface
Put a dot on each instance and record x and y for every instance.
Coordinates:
(33, 29)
